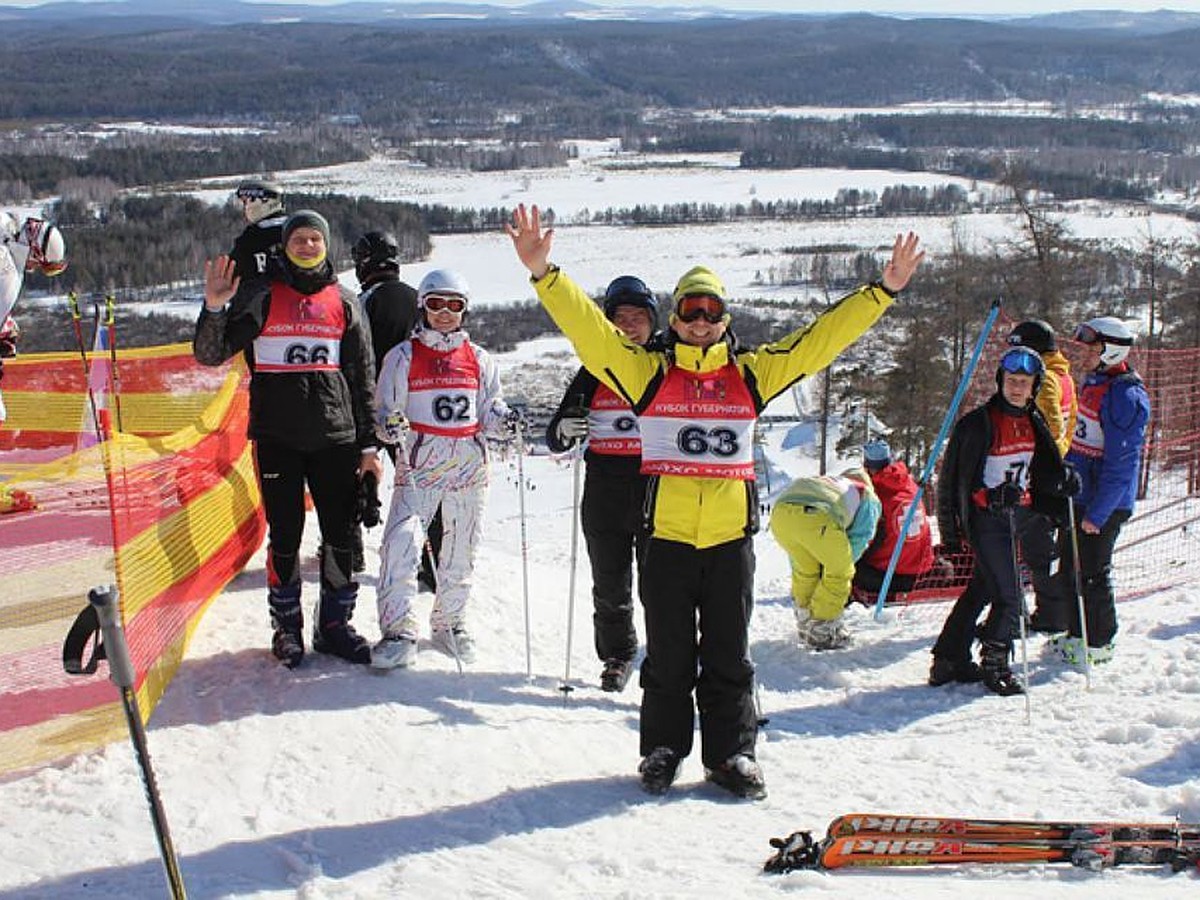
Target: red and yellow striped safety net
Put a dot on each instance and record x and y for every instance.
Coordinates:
(167, 508)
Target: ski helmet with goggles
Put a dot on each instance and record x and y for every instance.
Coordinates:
(1112, 333)
(259, 199)
(443, 282)
(374, 252)
(47, 248)
(1034, 334)
(629, 290)
(1021, 361)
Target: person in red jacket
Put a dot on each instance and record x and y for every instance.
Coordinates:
(895, 488)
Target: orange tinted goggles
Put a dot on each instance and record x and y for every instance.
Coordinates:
(436, 303)
(693, 306)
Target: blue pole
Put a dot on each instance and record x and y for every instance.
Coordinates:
(936, 451)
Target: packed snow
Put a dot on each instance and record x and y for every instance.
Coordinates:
(335, 782)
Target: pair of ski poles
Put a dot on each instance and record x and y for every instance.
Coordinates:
(110, 325)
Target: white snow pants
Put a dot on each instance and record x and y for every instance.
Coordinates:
(414, 501)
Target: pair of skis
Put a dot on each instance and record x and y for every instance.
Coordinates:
(870, 840)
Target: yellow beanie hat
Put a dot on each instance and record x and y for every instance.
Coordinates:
(699, 280)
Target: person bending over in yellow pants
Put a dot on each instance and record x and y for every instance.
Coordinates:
(825, 522)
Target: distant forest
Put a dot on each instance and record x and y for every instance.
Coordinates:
(570, 75)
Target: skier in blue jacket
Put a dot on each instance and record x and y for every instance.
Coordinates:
(1114, 409)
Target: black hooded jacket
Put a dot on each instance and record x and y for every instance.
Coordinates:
(962, 471)
(306, 410)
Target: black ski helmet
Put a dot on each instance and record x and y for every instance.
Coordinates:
(1035, 334)
(629, 290)
(374, 252)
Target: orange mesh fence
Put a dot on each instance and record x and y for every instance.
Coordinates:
(167, 508)
(1158, 547)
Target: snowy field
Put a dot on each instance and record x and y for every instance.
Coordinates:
(743, 253)
(334, 782)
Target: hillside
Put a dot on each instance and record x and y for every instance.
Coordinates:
(334, 782)
(156, 67)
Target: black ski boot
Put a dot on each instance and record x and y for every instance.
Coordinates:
(333, 633)
(946, 670)
(658, 770)
(739, 775)
(287, 620)
(616, 674)
(997, 676)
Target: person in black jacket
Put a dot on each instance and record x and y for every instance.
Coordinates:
(614, 487)
(312, 393)
(1001, 469)
(262, 208)
(389, 304)
(390, 307)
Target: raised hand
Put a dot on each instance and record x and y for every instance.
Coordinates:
(220, 282)
(906, 256)
(530, 242)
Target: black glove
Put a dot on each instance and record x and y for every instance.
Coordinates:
(1071, 483)
(368, 507)
(1004, 497)
(514, 420)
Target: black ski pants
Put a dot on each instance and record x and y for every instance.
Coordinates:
(1095, 578)
(332, 479)
(681, 588)
(613, 528)
(993, 581)
(1036, 536)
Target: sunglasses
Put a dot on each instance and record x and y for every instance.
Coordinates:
(693, 306)
(436, 303)
(1020, 361)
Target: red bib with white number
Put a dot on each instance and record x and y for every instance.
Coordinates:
(303, 332)
(1089, 434)
(700, 424)
(1009, 456)
(612, 426)
(443, 388)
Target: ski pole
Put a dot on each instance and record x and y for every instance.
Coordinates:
(1077, 583)
(520, 431)
(110, 323)
(77, 324)
(1012, 540)
(935, 452)
(565, 687)
(123, 674)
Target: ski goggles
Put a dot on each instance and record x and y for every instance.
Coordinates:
(1086, 334)
(256, 192)
(439, 302)
(694, 306)
(1021, 361)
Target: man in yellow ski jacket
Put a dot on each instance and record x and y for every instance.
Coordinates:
(697, 401)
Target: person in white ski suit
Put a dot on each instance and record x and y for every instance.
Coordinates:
(438, 397)
(32, 245)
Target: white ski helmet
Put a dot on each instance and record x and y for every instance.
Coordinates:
(259, 199)
(1109, 331)
(443, 281)
(47, 248)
